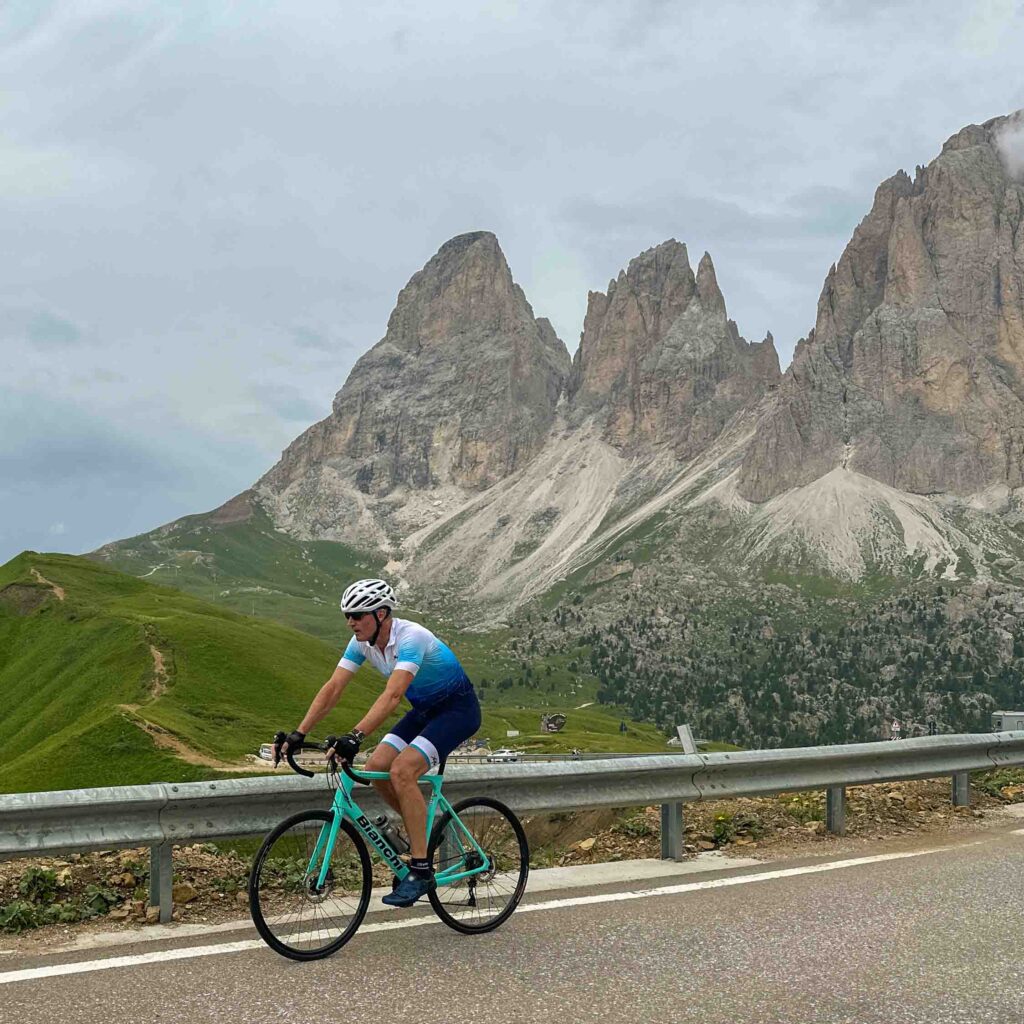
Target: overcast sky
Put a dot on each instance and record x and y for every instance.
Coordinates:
(209, 208)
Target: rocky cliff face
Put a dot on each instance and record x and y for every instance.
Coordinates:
(914, 373)
(461, 390)
(660, 363)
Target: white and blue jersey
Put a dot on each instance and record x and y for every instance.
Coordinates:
(437, 673)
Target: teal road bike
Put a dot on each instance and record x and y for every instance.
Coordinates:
(310, 883)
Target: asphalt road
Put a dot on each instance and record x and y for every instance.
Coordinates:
(933, 934)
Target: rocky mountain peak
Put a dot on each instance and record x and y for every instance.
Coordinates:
(914, 373)
(659, 361)
(461, 391)
(465, 286)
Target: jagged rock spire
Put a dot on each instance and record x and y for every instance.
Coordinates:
(659, 361)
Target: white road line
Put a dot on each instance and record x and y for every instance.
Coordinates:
(84, 966)
(542, 880)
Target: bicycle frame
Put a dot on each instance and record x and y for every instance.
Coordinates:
(345, 806)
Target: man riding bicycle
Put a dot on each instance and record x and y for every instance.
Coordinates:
(445, 711)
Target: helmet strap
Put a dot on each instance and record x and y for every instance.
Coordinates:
(376, 632)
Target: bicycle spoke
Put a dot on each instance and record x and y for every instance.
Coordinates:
(482, 900)
(295, 915)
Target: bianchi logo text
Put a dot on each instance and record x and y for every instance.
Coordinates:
(378, 840)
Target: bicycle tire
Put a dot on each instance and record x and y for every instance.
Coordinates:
(265, 922)
(473, 923)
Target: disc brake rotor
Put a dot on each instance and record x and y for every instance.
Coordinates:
(315, 894)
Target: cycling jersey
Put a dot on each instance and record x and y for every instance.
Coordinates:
(437, 673)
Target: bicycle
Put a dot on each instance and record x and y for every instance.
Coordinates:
(310, 882)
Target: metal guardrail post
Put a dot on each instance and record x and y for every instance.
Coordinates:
(835, 810)
(161, 879)
(672, 831)
(961, 789)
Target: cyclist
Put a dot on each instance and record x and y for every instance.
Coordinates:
(445, 711)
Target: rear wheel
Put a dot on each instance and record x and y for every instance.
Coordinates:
(480, 902)
(295, 916)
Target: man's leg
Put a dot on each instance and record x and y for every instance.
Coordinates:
(406, 768)
(454, 721)
(380, 761)
(441, 734)
(390, 747)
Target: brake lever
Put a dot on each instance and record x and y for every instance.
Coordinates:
(332, 759)
(279, 738)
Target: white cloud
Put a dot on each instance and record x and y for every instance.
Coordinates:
(58, 529)
(1010, 143)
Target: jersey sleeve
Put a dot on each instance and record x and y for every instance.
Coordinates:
(411, 651)
(353, 657)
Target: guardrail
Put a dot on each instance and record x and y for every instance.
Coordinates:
(164, 815)
(307, 758)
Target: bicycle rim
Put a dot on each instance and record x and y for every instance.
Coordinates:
(483, 902)
(295, 918)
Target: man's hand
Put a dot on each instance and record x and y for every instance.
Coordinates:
(283, 743)
(346, 747)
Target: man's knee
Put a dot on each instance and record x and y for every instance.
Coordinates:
(408, 768)
(381, 759)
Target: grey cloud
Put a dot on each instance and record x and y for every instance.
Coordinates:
(47, 329)
(1011, 145)
(306, 337)
(43, 443)
(290, 403)
(324, 341)
(813, 211)
(42, 328)
(62, 465)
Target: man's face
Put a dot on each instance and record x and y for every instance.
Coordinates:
(362, 626)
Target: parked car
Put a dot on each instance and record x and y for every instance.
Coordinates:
(503, 754)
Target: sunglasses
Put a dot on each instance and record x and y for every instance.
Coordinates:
(356, 615)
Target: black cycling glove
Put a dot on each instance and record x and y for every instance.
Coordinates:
(294, 740)
(346, 747)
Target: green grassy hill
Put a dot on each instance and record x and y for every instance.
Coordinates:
(233, 557)
(80, 647)
(109, 679)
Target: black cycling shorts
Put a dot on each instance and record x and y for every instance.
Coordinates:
(437, 730)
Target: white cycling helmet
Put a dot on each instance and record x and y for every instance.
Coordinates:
(367, 596)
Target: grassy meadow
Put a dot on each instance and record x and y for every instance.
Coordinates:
(109, 679)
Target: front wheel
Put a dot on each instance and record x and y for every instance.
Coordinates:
(295, 915)
(483, 901)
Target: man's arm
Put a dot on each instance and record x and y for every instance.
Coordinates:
(328, 696)
(386, 703)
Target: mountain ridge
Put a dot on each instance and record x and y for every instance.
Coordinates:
(479, 464)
